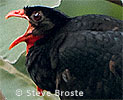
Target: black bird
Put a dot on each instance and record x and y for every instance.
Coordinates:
(81, 54)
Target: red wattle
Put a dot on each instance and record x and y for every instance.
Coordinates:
(39, 90)
(30, 42)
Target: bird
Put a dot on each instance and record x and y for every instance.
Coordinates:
(79, 57)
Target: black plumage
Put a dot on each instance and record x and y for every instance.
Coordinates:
(82, 53)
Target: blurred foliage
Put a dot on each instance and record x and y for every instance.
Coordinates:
(82, 7)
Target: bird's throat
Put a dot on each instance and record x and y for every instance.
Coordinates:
(30, 42)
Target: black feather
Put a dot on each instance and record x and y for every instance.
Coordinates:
(84, 54)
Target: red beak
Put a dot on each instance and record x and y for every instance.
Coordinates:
(17, 13)
(27, 37)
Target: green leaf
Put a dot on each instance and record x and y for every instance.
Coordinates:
(82, 7)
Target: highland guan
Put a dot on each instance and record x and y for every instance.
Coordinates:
(82, 53)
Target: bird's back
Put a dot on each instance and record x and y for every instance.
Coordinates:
(90, 58)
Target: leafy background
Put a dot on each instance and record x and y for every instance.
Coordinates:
(13, 74)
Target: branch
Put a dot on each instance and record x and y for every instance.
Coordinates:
(1, 96)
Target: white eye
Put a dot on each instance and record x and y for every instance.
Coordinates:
(37, 16)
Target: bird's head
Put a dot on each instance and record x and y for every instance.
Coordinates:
(42, 20)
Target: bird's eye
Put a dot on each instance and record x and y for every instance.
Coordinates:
(37, 16)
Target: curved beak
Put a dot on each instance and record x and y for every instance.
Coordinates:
(17, 13)
(20, 13)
